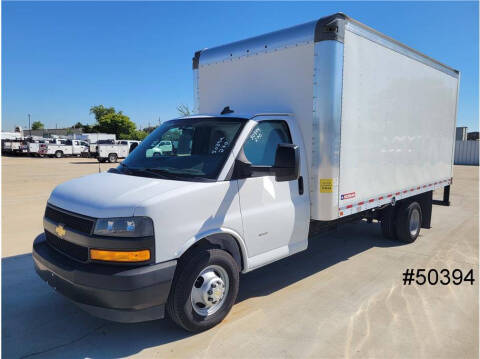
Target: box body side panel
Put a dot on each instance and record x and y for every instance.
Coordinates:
(398, 121)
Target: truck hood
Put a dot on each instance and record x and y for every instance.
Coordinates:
(105, 194)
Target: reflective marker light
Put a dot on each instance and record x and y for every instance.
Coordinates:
(120, 256)
(124, 227)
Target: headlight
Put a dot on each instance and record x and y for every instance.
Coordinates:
(124, 227)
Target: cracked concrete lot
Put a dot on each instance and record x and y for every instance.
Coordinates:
(343, 297)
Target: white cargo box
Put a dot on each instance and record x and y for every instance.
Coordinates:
(377, 118)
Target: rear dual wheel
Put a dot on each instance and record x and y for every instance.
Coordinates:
(402, 222)
(204, 289)
(408, 222)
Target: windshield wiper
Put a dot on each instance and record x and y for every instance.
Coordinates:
(163, 173)
(142, 170)
(166, 173)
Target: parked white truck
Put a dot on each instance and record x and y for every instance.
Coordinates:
(321, 123)
(33, 143)
(111, 152)
(13, 146)
(95, 139)
(63, 147)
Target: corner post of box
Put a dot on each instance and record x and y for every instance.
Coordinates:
(196, 59)
(196, 89)
(331, 28)
(327, 114)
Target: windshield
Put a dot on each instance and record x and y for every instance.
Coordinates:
(185, 149)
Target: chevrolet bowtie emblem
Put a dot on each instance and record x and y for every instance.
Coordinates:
(60, 231)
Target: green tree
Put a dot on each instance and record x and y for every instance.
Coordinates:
(111, 121)
(100, 111)
(137, 135)
(150, 129)
(87, 129)
(116, 123)
(78, 125)
(183, 110)
(37, 125)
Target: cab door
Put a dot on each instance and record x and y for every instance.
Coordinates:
(76, 147)
(275, 214)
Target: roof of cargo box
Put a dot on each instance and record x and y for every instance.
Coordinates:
(326, 28)
(248, 116)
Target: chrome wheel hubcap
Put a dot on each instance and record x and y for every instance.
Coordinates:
(414, 222)
(209, 290)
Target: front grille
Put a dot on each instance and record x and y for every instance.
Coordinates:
(70, 220)
(70, 249)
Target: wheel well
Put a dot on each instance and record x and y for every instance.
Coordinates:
(219, 241)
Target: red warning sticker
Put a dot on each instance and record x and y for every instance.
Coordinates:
(347, 195)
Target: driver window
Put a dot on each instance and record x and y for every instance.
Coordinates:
(261, 144)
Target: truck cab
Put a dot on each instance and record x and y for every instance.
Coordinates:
(226, 188)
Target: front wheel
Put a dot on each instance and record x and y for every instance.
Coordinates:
(204, 289)
(59, 154)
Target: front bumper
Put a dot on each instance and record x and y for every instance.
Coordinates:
(116, 293)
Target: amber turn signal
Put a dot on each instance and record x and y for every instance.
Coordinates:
(120, 256)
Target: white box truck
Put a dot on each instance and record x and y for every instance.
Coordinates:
(314, 125)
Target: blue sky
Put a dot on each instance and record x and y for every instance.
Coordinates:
(60, 58)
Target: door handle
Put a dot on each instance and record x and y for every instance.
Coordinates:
(300, 185)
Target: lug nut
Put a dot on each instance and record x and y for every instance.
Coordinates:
(210, 299)
(210, 292)
(214, 285)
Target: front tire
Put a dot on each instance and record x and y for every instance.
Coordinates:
(408, 222)
(204, 289)
(59, 154)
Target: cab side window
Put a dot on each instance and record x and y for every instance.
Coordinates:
(261, 144)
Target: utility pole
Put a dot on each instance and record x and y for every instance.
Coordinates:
(29, 127)
(159, 121)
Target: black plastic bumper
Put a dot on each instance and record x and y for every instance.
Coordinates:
(117, 293)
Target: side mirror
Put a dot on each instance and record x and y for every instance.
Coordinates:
(285, 168)
(287, 162)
